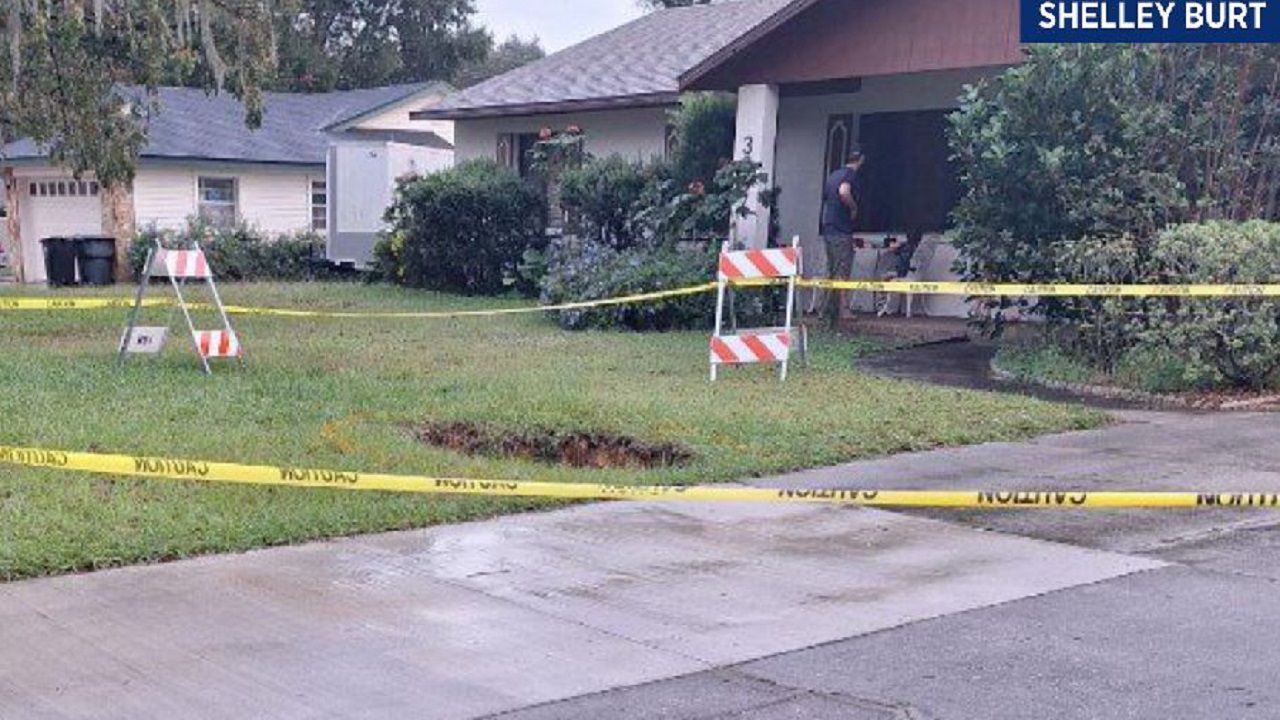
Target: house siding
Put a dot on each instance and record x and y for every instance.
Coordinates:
(164, 197)
(635, 134)
(272, 199)
(277, 202)
(398, 119)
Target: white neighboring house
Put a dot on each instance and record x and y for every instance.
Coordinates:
(324, 162)
(812, 79)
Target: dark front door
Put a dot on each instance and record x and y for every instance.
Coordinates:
(911, 184)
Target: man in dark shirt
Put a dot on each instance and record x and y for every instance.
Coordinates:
(841, 204)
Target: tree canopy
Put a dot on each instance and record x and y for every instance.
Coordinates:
(63, 61)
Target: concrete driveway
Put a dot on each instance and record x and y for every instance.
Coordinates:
(693, 611)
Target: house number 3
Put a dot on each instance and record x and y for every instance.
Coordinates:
(748, 146)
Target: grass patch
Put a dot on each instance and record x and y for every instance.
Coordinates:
(1042, 362)
(1145, 370)
(344, 394)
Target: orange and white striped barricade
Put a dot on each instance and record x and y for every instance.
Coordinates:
(765, 345)
(180, 266)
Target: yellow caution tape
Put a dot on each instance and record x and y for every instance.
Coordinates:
(125, 303)
(204, 471)
(1046, 289)
(56, 303)
(443, 315)
(890, 288)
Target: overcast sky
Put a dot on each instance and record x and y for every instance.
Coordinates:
(558, 23)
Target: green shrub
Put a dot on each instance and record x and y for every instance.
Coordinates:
(1219, 341)
(240, 253)
(462, 230)
(671, 212)
(1095, 145)
(603, 198)
(1173, 344)
(705, 127)
(1154, 370)
(580, 270)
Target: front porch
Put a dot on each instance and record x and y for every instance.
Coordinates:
(899, 123)
(903, 331)
(880, 77)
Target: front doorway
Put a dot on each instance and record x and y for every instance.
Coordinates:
(910, 182)
(910, 187)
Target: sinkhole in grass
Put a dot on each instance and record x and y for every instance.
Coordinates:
(576, 449)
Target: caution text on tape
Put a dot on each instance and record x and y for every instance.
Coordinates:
(1048, 289)
(57, 303)
(187, 469)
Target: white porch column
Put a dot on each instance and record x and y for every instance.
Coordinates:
(756, 136)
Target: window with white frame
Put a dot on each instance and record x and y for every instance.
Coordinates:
(63, 188)
(217, 200)
(319, 205)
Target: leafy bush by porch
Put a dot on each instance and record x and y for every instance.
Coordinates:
(604, 198)
(581, 269)
(666, 237)
(704, 126)
(478, 228)
(462, 230)
(1075, 162)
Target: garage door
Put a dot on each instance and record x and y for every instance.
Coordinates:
(55, 206)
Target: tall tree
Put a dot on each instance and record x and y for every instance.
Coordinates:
(343, 44)
(506, 56)
(61, 62)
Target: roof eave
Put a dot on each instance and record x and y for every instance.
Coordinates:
(438, 87)
(624, 102)
(689, 79)
(196, 159)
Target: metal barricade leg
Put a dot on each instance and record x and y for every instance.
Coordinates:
(137, 310)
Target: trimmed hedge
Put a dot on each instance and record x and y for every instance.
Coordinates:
(1219, 341)
(241, 253)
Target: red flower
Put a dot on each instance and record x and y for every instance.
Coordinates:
(574, 130)
(697, 188)
(545, 134)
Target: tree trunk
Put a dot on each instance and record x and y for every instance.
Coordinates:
(14, 225)
(119, 222)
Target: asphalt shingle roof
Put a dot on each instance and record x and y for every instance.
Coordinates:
(643, 58)
(192, 124)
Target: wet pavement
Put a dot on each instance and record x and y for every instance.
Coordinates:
(464, 621)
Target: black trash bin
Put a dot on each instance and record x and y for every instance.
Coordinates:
(97, 255)
(59, 261)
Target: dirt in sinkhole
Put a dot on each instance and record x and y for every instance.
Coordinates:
(578, 449)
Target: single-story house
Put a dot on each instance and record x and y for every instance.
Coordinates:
(812, 78)
(325, 163)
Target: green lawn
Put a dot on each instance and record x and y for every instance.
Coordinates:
(340, 394)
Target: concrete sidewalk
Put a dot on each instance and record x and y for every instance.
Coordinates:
(463, 621)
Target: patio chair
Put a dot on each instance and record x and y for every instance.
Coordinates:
(919, 262)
